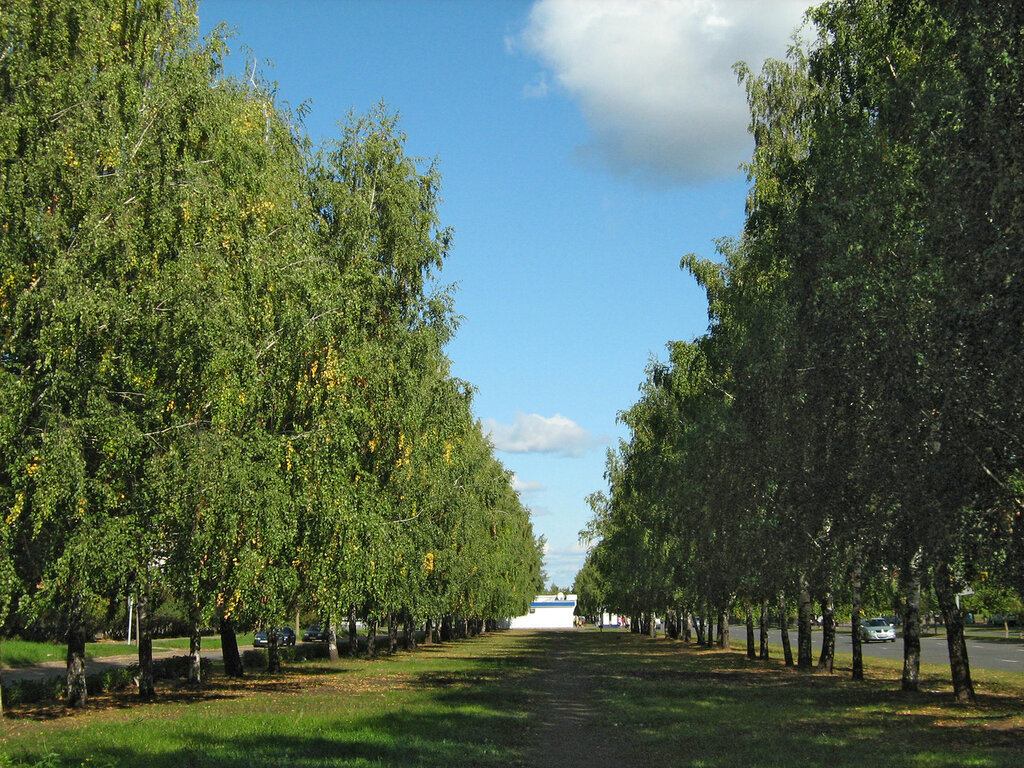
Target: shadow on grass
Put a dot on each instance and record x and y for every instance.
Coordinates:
(475, 703)
(468, 706)
(722, 709)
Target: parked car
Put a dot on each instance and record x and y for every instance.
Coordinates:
(314, 634)
(877, 629)
(285, 636)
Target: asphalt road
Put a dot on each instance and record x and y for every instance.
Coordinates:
(986, 649)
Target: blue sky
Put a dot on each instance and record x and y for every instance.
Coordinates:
(585, 146)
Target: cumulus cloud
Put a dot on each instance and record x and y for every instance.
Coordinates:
(532, 433)
(526, 486)
(563, 563)
(654, 78)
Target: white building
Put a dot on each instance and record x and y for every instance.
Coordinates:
(548, 612)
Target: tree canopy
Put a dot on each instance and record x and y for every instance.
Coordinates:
(222, 362)
(850, 413)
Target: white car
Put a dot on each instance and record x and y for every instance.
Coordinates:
(877, 629)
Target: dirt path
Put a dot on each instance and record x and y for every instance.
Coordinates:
(568, 731)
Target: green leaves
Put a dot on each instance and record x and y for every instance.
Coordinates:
(856, 391)
(221, 350)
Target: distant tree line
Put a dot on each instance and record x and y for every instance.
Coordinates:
(850, 430)
(222, 367)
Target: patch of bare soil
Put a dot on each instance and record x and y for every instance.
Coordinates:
(567, 731)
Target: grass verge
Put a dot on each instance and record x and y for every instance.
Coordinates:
(25, 653)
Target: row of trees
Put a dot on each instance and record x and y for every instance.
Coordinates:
(222, 372)
(853, 417)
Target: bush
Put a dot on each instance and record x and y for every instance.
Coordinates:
(254, 658)
(34, 691)
(305, 652)
(52, 688)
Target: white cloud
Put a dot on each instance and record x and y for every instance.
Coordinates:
(563, 563)
(532, 433)
(654, 78)
(526, 486)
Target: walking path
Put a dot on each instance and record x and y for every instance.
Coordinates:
(568, 733)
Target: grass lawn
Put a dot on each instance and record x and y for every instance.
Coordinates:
(476, 702)
(24, 653)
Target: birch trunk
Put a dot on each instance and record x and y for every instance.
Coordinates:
(751, 649)
(371, 637)
(826, 660)
(146, 689)
(855, 614)
(392, 633)
(353, 632)
(959, 664)
(804, 645)
(229, 649)
(333, 647)
(77, 693)
(787, 649)
(273, 651)
(764, 630)
(195, 645)
(911, 680)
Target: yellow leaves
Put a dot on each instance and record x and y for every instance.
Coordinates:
(16, 508)
(186, 212)
(447, 453)
(405, 451)
(228, 602)
(170, 407)
(70, 158)
(428, 562)
(33, 466)
(373, 444)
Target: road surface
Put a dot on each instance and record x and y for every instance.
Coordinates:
(986, 649)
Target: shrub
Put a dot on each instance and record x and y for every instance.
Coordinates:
(34, 691)
(254, 658)
(117, 679)
(305, 652)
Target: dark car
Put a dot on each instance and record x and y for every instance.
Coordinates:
(285, 636)
(314, 634)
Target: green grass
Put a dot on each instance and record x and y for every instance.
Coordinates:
(412, 710)
(475, 702)
(23, 653)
